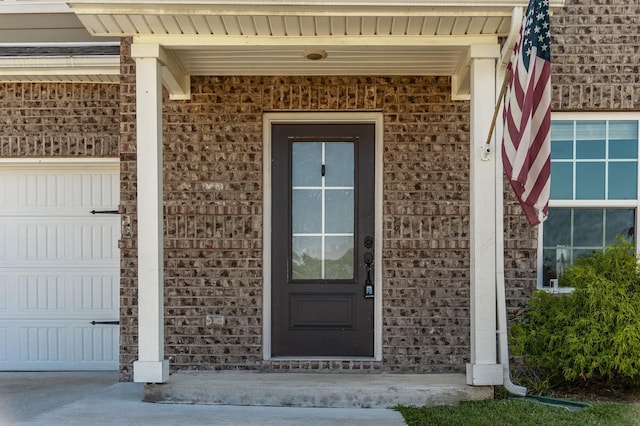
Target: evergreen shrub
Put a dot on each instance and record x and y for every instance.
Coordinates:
(591, 335)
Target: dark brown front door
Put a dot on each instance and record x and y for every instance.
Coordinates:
(322, 239)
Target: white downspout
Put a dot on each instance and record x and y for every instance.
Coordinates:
(501, 305)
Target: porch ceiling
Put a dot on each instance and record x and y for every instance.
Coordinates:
(262, 37)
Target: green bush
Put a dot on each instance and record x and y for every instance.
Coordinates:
(590, 335)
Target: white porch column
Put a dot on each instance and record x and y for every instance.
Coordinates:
(483, 369)
(151, 365)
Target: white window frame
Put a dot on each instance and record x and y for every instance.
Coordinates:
(604, 204)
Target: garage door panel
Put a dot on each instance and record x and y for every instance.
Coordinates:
(3, 192)
(96, 294)
(59, 266)
(42, 342)
(64, 345)
(4, 294)
(79, 241)
(41, 295)
(53, 190)
(96, 240)
(3, 242)
(89, 294)
(41, 241)
(4, 344)
(93, 190)
(96, 343)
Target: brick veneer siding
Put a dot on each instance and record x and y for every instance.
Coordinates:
(595, 67)
(426, 283)
(59, 120)
(213, 188)
(596, 56)
(213, 217)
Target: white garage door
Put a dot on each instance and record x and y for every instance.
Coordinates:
(59, 266)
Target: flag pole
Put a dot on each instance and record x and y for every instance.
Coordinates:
(503, 92)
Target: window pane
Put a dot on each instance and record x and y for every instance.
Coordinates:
(557, 228)
(623, 181)
(590, 139)
(306, 164)
(591, 130)
(561, 181)
(548, 265)
(591, 149)
(339, 258)
(562, 130)
(623, 148)
(591, 160)
(623, 139)
(619, 222)
(306, 258)
(588, 227)
(339, 211)
(561, 149)
(590, 181)
(306, 211)
(578, 253)
(339, 164)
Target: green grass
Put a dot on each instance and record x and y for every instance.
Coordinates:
(520, 413)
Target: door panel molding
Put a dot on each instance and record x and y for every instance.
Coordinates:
(269, 119)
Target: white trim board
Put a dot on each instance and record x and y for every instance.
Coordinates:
(268, 120)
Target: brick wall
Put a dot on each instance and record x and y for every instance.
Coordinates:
(213, 217)
(213, 188)
(595, 67)
(59, 120)
(596, 55)
(215, 221)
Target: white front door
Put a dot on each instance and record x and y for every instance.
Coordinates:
(59, 266)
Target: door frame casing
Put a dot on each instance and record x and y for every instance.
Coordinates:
(270, 118)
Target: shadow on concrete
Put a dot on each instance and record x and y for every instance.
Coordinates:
(96, 398)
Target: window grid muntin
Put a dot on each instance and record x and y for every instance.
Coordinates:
(574, 161)
(323, 235)
(590, 203)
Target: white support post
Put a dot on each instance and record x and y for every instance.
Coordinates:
(483, 369)
(151, 366)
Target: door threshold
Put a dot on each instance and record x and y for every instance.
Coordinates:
(321, 358)
(324, 364)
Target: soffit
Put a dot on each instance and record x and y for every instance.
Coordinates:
(361, 37)
(61, 68)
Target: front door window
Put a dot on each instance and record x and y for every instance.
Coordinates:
(322, 241)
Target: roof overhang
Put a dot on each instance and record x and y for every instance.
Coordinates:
(34, 32)
(68, 69)
(40, 21)
(270, 37)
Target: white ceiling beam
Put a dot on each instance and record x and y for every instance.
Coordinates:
(203, 41)
(174, 78)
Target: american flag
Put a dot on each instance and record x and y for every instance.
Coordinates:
(526, 144)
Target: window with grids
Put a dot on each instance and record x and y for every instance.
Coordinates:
(594, 189)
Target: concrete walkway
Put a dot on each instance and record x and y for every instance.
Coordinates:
(96, 398)
(317, 390)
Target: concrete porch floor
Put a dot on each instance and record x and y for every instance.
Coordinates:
(314, 389)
